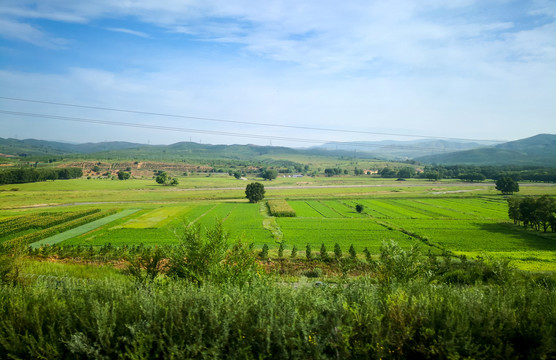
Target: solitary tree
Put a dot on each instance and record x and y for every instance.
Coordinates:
(254, 192)
(359, 208)
(507, 185)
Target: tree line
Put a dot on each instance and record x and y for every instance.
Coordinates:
(536, 212)
(479, 173)
(28, 175)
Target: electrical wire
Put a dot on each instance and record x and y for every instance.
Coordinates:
(376, 147)
(241, 122)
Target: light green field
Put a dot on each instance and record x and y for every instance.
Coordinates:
(155, 218)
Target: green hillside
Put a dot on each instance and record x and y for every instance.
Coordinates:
(539, 150)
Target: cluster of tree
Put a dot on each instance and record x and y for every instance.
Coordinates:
(123, 175)
(334, 171)
(479, 173)
(403, 173)
(536, 212)
(28, 175)
(164, 179)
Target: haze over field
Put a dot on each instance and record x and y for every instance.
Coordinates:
(457, 69)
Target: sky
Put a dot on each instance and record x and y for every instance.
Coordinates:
(288, 72)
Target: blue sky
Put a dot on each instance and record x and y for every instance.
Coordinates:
(452, 69)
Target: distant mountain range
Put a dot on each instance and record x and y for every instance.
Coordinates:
(537, 150)
(403, 150)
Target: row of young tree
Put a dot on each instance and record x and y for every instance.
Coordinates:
(28, 175)
(536, 212)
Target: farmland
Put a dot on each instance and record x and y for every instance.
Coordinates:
(100, 249)
(460, 218)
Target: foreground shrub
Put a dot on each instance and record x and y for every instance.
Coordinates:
(202, 257)
(67, 319)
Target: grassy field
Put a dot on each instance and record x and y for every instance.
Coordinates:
(468, 219)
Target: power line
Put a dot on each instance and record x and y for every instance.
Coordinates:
(239, 122)
(157, 127)
(212, 132)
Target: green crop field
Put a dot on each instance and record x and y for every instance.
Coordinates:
(466, 219)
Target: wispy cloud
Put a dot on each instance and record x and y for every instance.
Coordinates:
(15, 30)
(330, 35)
(131, 32)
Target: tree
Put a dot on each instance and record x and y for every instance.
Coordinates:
(269, 174)
(237, 174)
(123, 175)
(507, 185)
(337, 251)
(432, 175)
(388, 173)
(254, 192)
(323, 253)
(352, 252)
(513, 209)
(406, 172)
(544, 212)
(359, 208)
(164, 179)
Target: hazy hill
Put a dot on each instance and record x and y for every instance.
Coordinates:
(32, 147)
(401, 150)
(205, 153)
(536, 150)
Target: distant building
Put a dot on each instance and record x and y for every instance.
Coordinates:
(297, 176)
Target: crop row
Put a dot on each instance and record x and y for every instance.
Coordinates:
(44, 233)
(280, 208)
(39, 221)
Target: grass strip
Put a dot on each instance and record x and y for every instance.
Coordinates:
(82, 229)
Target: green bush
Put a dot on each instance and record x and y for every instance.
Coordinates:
(63, 318)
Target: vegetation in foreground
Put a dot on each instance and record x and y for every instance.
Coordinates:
(205, 299)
